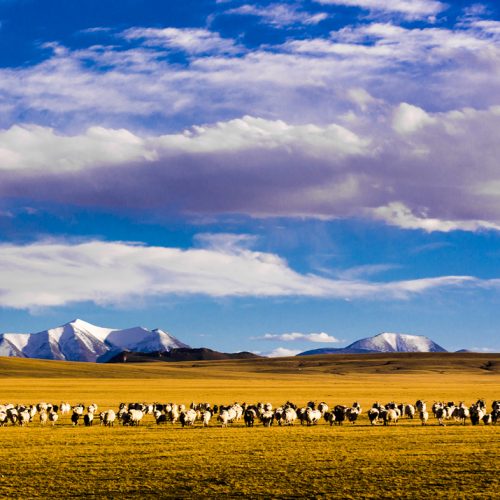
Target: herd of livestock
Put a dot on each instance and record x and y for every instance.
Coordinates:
(288, 414)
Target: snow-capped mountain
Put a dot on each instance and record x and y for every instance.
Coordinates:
(385, 342)
(82, 341)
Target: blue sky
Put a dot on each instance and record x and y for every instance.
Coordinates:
(230, 170)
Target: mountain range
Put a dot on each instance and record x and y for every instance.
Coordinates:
(82, 341)
(384, 342)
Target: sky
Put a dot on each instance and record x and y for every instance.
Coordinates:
(271, 176)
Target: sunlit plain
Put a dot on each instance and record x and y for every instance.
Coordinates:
(350, 461)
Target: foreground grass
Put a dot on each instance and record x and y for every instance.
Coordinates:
(347, 462)
(353, 461)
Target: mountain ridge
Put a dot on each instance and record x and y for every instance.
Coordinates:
(79, 340)
(385, 342)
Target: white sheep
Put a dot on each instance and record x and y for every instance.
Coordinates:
(312, 416)
(424, 416)
(290, 416)
(24, 417)
(53, 416)
(65, 408)
(206, 416)
(223, 418)
(44, 417)
(107, 418)
(88, 419)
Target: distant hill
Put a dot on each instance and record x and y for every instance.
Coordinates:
(384, 342)
(433, 364)
(82, 341)
(180, 354)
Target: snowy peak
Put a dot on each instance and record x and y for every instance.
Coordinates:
(397, 342)
(384, 342)
(82, 341)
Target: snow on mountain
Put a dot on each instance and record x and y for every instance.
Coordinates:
(397, 342)
(384, 342)
(82, 341)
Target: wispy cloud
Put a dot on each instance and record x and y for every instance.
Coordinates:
(397, 214)
(278, 14)
(296, 336)
(46, 274)
(190, 40)
(410, 9)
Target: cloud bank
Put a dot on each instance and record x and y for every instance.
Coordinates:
(402, 130)
(417, 170)
(296, 336)
(47, 274)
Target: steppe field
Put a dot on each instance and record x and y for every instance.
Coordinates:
(349, 461)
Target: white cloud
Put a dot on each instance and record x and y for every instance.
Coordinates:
(408, 119)
(436, 156)
(397, 214)
(304, 337)
(52, 273)
(190, 40)
(411, 9)
(484, 349)
(251, 132)
(120, 84)
(32, 147)
(27, 147)
(279, 15)
(283, 352)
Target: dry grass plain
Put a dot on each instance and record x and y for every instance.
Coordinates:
(352, 461)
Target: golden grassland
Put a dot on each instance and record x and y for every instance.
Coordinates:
(352, 461)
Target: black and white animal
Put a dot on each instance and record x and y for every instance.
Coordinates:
(249, 416)
(88, 419)
(107, 418)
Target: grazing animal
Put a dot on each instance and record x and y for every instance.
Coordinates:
(279, 414)
(223, 418)
(461, 413)
(187, 418)
(487, 420)
(24, 417)
(75, 417)
(65, 408)
(13, 415)
(391, 416)
(312, 416)
(135, 417)
(92, 408)
(249, 416)
(353, 413)
(44, 417)
(267, 418)
(340, 413)
(441, 414)
(107, 418)
(160, 417)
(476, 414)
(53, 416)
(88, 419)
(290, 416)
(424, 416)
(421, 405)
(329, 417)
(495, 411)
(206, 416)
(301, 415)
(323, 408)
(374, 413)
